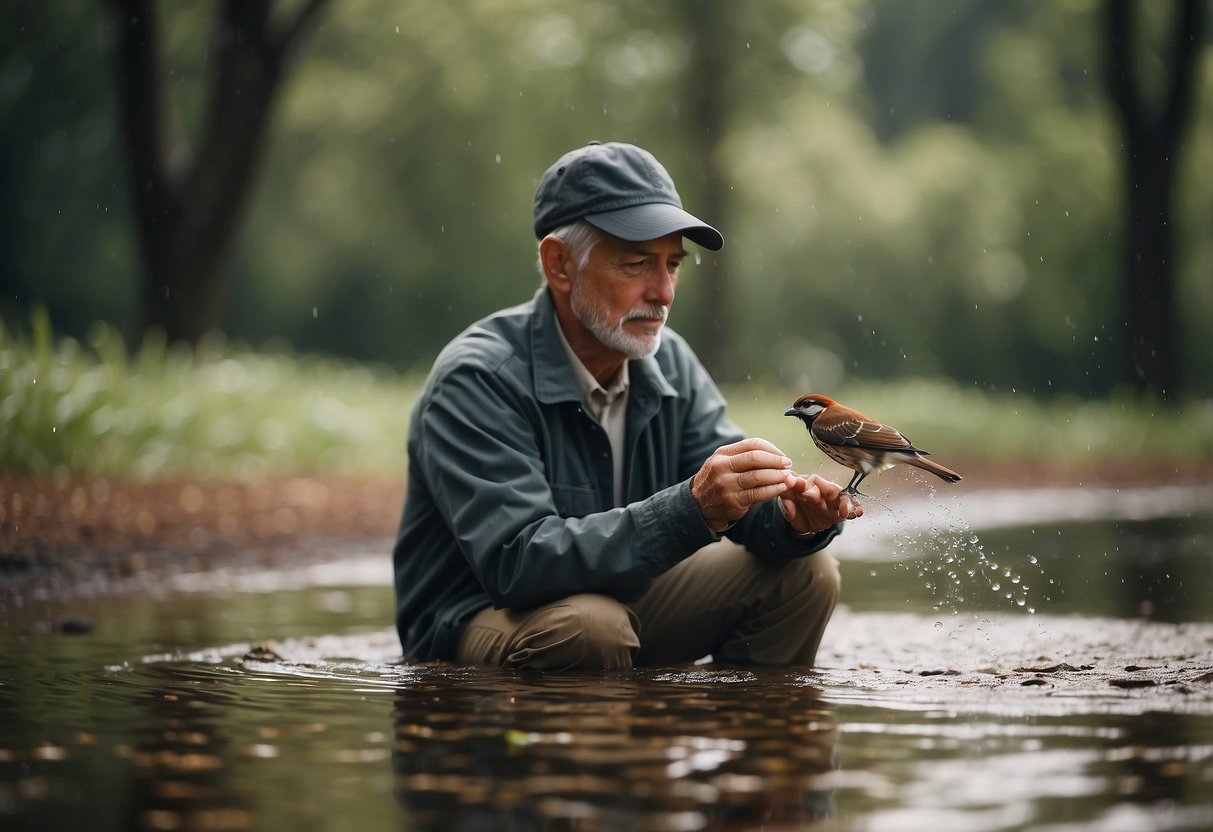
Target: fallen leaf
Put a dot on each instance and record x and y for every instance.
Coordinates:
(1055, 668)
(262, 653)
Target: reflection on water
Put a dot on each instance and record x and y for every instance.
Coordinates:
(1154, 568)
(673, 750)
(268, 702)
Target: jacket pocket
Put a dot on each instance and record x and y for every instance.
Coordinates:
(574, 500)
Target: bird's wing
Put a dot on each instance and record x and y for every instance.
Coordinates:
(861, 433)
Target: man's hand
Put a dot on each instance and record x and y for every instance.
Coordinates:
(813, 504)
(736, 477)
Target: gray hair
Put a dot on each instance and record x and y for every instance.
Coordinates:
(580, 237)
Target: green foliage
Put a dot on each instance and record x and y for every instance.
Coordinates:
(70, 407)
(923, 190)
(967, 424)
(218, 411)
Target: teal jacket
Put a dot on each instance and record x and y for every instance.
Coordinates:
(509, 499)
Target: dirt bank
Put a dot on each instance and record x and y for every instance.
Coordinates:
(57, 535)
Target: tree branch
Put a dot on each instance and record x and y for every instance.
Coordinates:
(294, 27)
(141, 107)
(1188, 31)
(1119, 63)
(240, 88)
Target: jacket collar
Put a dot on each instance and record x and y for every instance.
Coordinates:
(553, 376)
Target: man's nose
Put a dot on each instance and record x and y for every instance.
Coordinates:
(661, 286)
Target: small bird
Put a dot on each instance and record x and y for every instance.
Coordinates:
(859, 442)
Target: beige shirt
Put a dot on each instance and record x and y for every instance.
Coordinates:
(609, 405)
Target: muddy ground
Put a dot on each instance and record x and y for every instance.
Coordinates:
(63, 536)
(61, 539)
(58, 537)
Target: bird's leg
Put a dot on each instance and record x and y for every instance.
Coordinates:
(853, 486)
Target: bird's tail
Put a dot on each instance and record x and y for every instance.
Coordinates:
(934, 467)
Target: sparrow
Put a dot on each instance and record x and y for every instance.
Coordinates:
(859, 442)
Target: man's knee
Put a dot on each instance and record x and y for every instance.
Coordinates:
(810, 586)
(822, 580)
(582, 632)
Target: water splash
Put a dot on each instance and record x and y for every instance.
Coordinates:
(957, 568)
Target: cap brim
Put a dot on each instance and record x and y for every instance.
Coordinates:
(656, 219)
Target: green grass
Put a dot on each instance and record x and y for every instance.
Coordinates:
(963, 423)
(225, 411)
(217, 411)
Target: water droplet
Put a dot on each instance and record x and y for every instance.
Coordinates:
(1032, 559)
(938, 625)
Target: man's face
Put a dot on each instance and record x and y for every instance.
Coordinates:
(623, 293)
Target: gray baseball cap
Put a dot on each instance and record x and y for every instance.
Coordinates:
(620, 189)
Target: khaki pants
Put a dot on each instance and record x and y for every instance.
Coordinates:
(722, 601)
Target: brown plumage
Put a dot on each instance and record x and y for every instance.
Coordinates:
(859, 442)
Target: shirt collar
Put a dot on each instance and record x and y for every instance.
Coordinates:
(551, 365)
(586, 383)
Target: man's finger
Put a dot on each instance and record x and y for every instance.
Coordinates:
(788, 507)
(753, 443)
(758, 459)
(750, 496)
(829, 490)
(761, 477)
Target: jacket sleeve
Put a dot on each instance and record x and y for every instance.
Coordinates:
(477, 444)
(763, 529)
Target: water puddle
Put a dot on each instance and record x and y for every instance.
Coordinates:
(244, 700)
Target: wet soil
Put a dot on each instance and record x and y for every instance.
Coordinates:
(67, 536)
(1015, 662)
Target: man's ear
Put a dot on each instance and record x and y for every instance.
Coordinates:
(558, 266)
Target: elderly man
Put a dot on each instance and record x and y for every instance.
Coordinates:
(577, 499)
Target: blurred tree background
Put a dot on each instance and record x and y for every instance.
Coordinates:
(906, 190)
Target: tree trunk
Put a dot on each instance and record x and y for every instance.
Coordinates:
(708, 30)
(189, 206)
(1153, 133)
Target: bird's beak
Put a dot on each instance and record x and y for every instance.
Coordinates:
(791, 411)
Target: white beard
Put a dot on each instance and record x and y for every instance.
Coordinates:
(611, 333)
